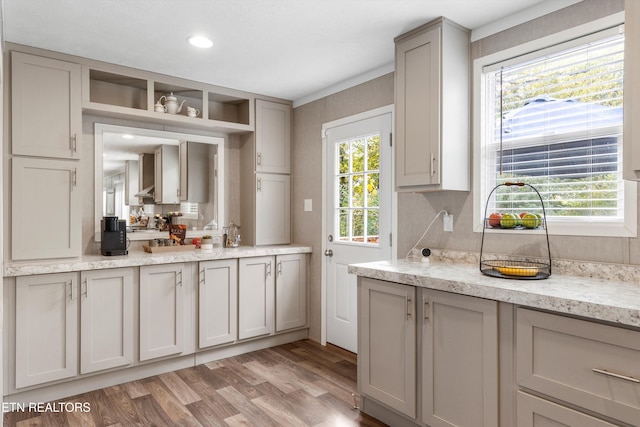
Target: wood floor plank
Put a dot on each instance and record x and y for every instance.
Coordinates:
(234, 364)
(236, 381)
(220, 406)
(136, 389)
(179, 388)
(253, 414)
(149, 411)
(205, 414)
(273, 375)
(31, 422)
(170, 404)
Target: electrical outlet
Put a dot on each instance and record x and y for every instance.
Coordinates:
(447, 219)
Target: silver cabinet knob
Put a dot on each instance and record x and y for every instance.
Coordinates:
(328, 252)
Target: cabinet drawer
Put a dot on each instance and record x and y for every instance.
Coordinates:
(591, 365)
(536, 412)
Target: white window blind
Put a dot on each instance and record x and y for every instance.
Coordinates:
(554, 120)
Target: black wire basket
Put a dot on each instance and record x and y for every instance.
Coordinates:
(517, 267)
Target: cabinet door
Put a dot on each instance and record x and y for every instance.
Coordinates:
(291, 291)
(106, 318)
(217, 302)
(194, 172)
(459, 360)
(161, 310)
(536, 412)
(255, 297)
(273, 137)
(417, 144)
(273, 209)
(131, 182)
(387, 344)
(46, 328)
(46, 112)
(167, 175)
(56, 232)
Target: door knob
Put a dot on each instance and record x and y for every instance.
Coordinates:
(328, 252)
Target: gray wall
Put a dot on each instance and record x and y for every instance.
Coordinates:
(307, 170)
(416, 210)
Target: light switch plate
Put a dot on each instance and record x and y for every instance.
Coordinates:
(308, 205)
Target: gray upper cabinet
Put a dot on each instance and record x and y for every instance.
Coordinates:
(58, 233)
(194, 172)
(46, 113)
(167, 176)
(432, 108)
(273, 137)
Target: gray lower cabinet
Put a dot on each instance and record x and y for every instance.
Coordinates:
(586, 364)
(256, 293)
(387, 344)
(459, 360)
(454, 366)
(161, 310)
(291, 292)
(106, 319)
(536, 412)
(217, 303)
(46, 328)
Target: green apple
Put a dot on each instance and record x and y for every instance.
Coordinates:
(530, 220)
(509, 220)
(540, 219)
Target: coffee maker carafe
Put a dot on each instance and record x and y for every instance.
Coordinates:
(114, 236)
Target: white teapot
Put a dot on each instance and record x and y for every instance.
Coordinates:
(171, 104)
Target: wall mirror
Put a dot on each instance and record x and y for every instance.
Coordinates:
(142, 174)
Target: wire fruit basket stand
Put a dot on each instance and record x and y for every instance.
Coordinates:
(517, 267)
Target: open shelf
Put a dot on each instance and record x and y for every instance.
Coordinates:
(126, 96)
(116, 89)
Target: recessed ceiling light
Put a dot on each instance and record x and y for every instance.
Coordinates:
(200, 41)
(127, 136)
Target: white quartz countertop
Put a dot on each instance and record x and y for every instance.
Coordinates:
(602, 299)
(138, 258)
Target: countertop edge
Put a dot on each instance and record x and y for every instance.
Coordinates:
(610, 301)
(136, 259)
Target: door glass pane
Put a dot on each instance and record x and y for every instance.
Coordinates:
(358, 184)
(343, 218)
(372, 226)
(343, 191)
(357, 155)
(357, 225)
(373, 187)
(343, 157)
(357, 198)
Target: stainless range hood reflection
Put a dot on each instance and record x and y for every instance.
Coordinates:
(145, 193)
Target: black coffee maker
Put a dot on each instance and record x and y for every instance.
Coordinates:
(114, 236)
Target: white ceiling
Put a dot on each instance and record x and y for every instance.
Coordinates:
(291, 49)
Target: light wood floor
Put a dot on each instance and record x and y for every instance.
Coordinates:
(298, 384)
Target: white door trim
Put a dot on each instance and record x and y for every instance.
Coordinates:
(394, 204)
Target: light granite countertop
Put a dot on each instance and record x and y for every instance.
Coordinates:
(608, 300)
(138, 258)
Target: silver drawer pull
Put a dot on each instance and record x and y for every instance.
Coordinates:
(613, 374)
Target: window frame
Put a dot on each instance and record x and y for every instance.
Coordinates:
(575, 36)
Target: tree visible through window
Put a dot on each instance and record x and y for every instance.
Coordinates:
(357, 181)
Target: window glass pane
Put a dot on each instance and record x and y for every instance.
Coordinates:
(357, 155)
(357, 196)
(357, 225)
(373, 186)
